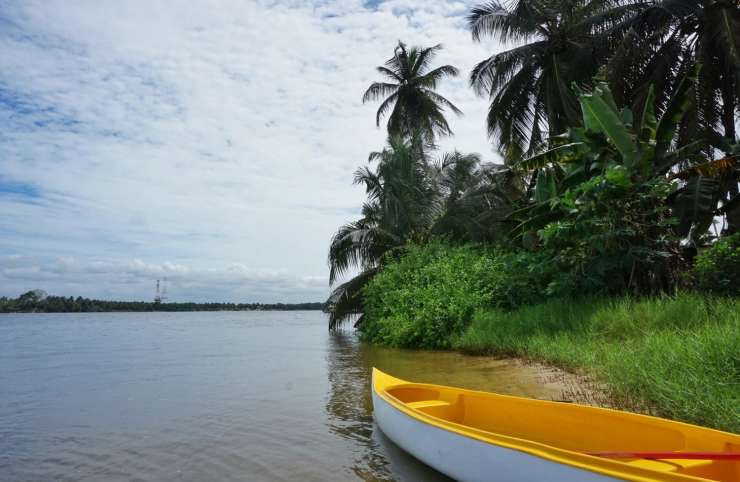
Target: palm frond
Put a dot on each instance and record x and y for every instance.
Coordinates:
(530, 86)
(430, 79)
(409, 100)
(441, 101)
(387, 104)
(345, 302)
(389, 73)
(493, 18)
(378, 90)
(510, 113)
(491, 74)
(424, 57)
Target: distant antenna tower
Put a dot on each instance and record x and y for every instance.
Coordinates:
(160, 294)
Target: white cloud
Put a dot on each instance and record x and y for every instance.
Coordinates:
(200, 135)
(134, 279)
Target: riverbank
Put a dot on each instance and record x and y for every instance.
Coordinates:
(561, 385)
(676, 357)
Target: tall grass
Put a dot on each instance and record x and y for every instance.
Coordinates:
(677, 356)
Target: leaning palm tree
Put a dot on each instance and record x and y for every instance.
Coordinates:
(360, 245)
(409, 93)
(398, 210)
(561, 42)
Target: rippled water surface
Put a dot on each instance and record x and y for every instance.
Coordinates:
(207, 396)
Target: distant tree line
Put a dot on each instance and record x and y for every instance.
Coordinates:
(37, 301)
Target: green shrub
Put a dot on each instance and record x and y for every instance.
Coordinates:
(717, 269)
(613, 236)
(524, 278)
(428, 297)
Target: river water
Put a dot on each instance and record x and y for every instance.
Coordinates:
(208, 396)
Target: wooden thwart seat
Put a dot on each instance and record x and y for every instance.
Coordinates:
(428, 404)
(673, 465)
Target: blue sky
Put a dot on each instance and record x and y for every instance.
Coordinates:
(209, 142)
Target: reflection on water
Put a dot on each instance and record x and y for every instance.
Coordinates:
(246, 396)
(350, 411)
(349, 406)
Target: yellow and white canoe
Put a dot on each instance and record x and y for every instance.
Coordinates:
(478, 436)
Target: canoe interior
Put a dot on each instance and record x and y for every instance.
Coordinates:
(574, 428)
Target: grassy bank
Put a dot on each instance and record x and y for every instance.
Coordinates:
(677, 356)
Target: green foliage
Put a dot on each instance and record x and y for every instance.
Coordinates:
(606, 208)
(717, 268)
(409, 200)
(666, 39)
(602, 200)
(398, 209)
(694, 206)
(427, 297)
(524, 278)
(557, 43)
(611, 138)
(614, 235)
(678, 356)
(409, 93)
(474, 198)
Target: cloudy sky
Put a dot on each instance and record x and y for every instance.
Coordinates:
(211, 142)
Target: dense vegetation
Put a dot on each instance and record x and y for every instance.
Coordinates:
(428, 297)
(717, 270)
(616, 121)
(38, 302)
(615, 208)
(425, 298)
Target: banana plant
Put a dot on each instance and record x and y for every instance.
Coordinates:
(642, 144)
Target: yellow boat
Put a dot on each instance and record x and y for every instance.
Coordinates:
(479, 436)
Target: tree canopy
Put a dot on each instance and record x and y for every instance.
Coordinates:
(409, 93)
(617, 122)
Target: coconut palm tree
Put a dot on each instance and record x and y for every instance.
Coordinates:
(560, 42)
(669, 38)
(475, 198)
(399, 208)
(409, 93)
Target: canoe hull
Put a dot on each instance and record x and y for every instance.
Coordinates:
(467, 459)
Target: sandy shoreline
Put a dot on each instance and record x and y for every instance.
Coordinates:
(564, 386)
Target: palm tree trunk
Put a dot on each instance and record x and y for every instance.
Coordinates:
(733, 215)
(729, 108)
